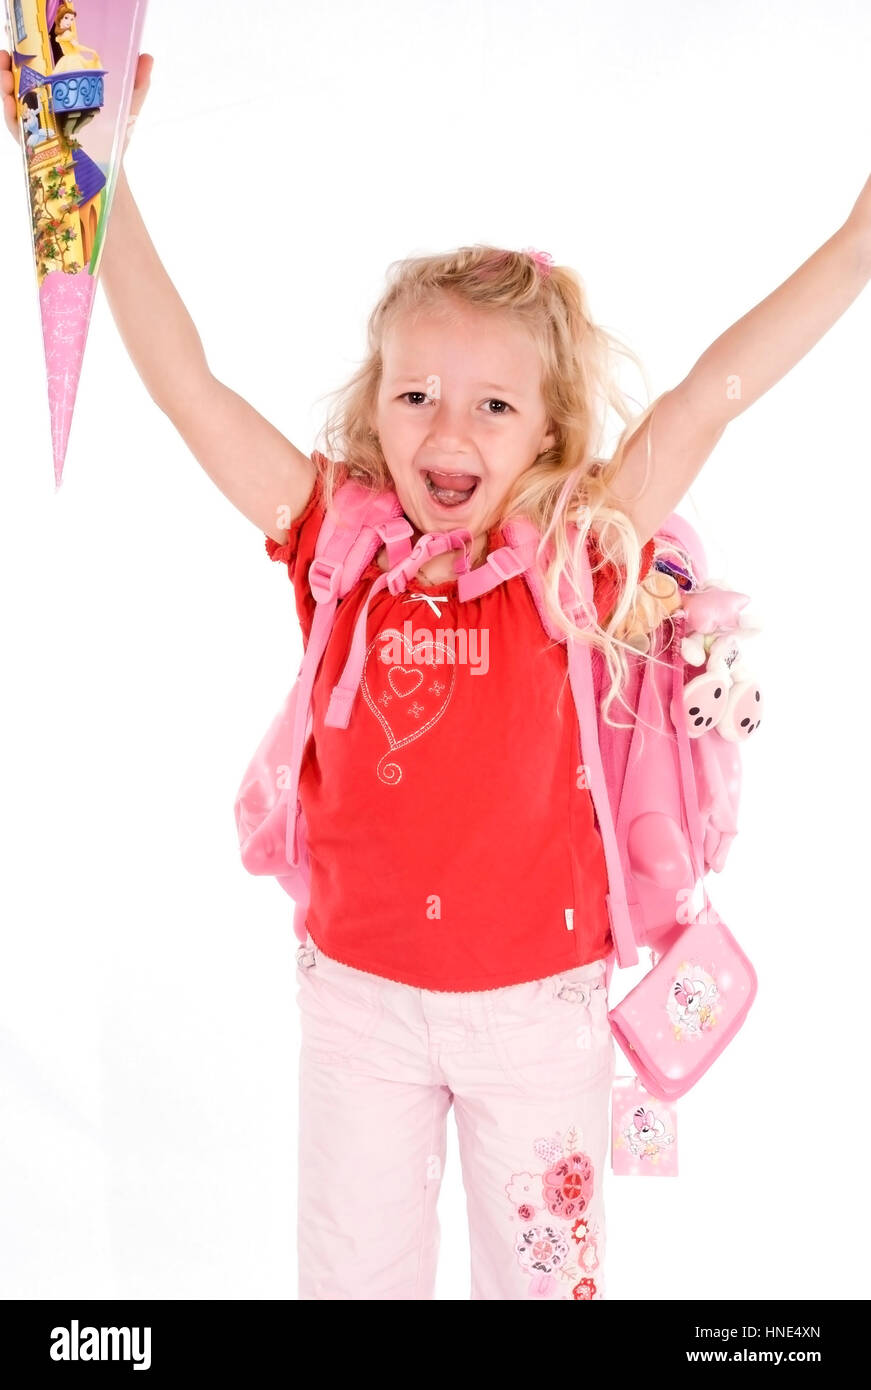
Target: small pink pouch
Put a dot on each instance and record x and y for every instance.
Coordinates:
(643, 1132)
(677, 1021)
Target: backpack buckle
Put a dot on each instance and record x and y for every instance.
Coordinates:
(505, 563)
(396, 528)
(324, 577)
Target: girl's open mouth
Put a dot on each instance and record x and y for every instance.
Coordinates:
(450, 489)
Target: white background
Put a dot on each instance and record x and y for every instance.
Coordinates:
(685, 161)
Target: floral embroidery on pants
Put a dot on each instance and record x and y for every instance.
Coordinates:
(566, 1249)
(541, 1250)
(568, 1186)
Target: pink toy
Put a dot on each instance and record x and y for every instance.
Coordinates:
(725, 697)
(710, 609)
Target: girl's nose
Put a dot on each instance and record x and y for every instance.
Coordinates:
(447, 429)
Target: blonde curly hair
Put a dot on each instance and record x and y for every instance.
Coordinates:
(566, 490)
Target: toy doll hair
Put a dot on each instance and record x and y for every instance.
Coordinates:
(63, 10)
(566, 490)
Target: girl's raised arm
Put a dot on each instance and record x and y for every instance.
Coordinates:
(739, 367)
(255, 467)
(252, 463)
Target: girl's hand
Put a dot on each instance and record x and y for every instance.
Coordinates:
(141, 85)
(7, 86)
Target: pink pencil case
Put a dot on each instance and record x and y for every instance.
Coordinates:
(677, 1021)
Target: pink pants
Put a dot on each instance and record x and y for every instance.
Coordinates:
(528, 1069)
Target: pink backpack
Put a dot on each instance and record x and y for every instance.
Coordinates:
(665, 790)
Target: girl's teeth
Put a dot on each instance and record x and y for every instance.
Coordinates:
(449, 496)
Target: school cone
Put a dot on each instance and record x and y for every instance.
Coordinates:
(74, 66)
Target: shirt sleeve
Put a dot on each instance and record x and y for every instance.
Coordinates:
(298, 551)
(607, 579)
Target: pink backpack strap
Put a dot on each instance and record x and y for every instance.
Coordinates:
(685, 756)
(523, 537)
(656, 781)
(355, 527)
(677, 528)
(395, 579)
(523, 532)
(501, 564)
(581, 681)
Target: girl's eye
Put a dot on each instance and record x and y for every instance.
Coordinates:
(424, 397)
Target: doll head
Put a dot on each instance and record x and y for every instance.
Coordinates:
(655, 598)
(64, 19)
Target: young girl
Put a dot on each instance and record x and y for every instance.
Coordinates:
(458, 934)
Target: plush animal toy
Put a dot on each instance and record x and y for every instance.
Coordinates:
(725, 696)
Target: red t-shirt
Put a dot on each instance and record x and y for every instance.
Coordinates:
(446, 830)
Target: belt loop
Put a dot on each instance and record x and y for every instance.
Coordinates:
(474, 1011)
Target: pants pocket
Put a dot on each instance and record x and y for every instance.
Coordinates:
(339, 1007)
(553, 1037)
